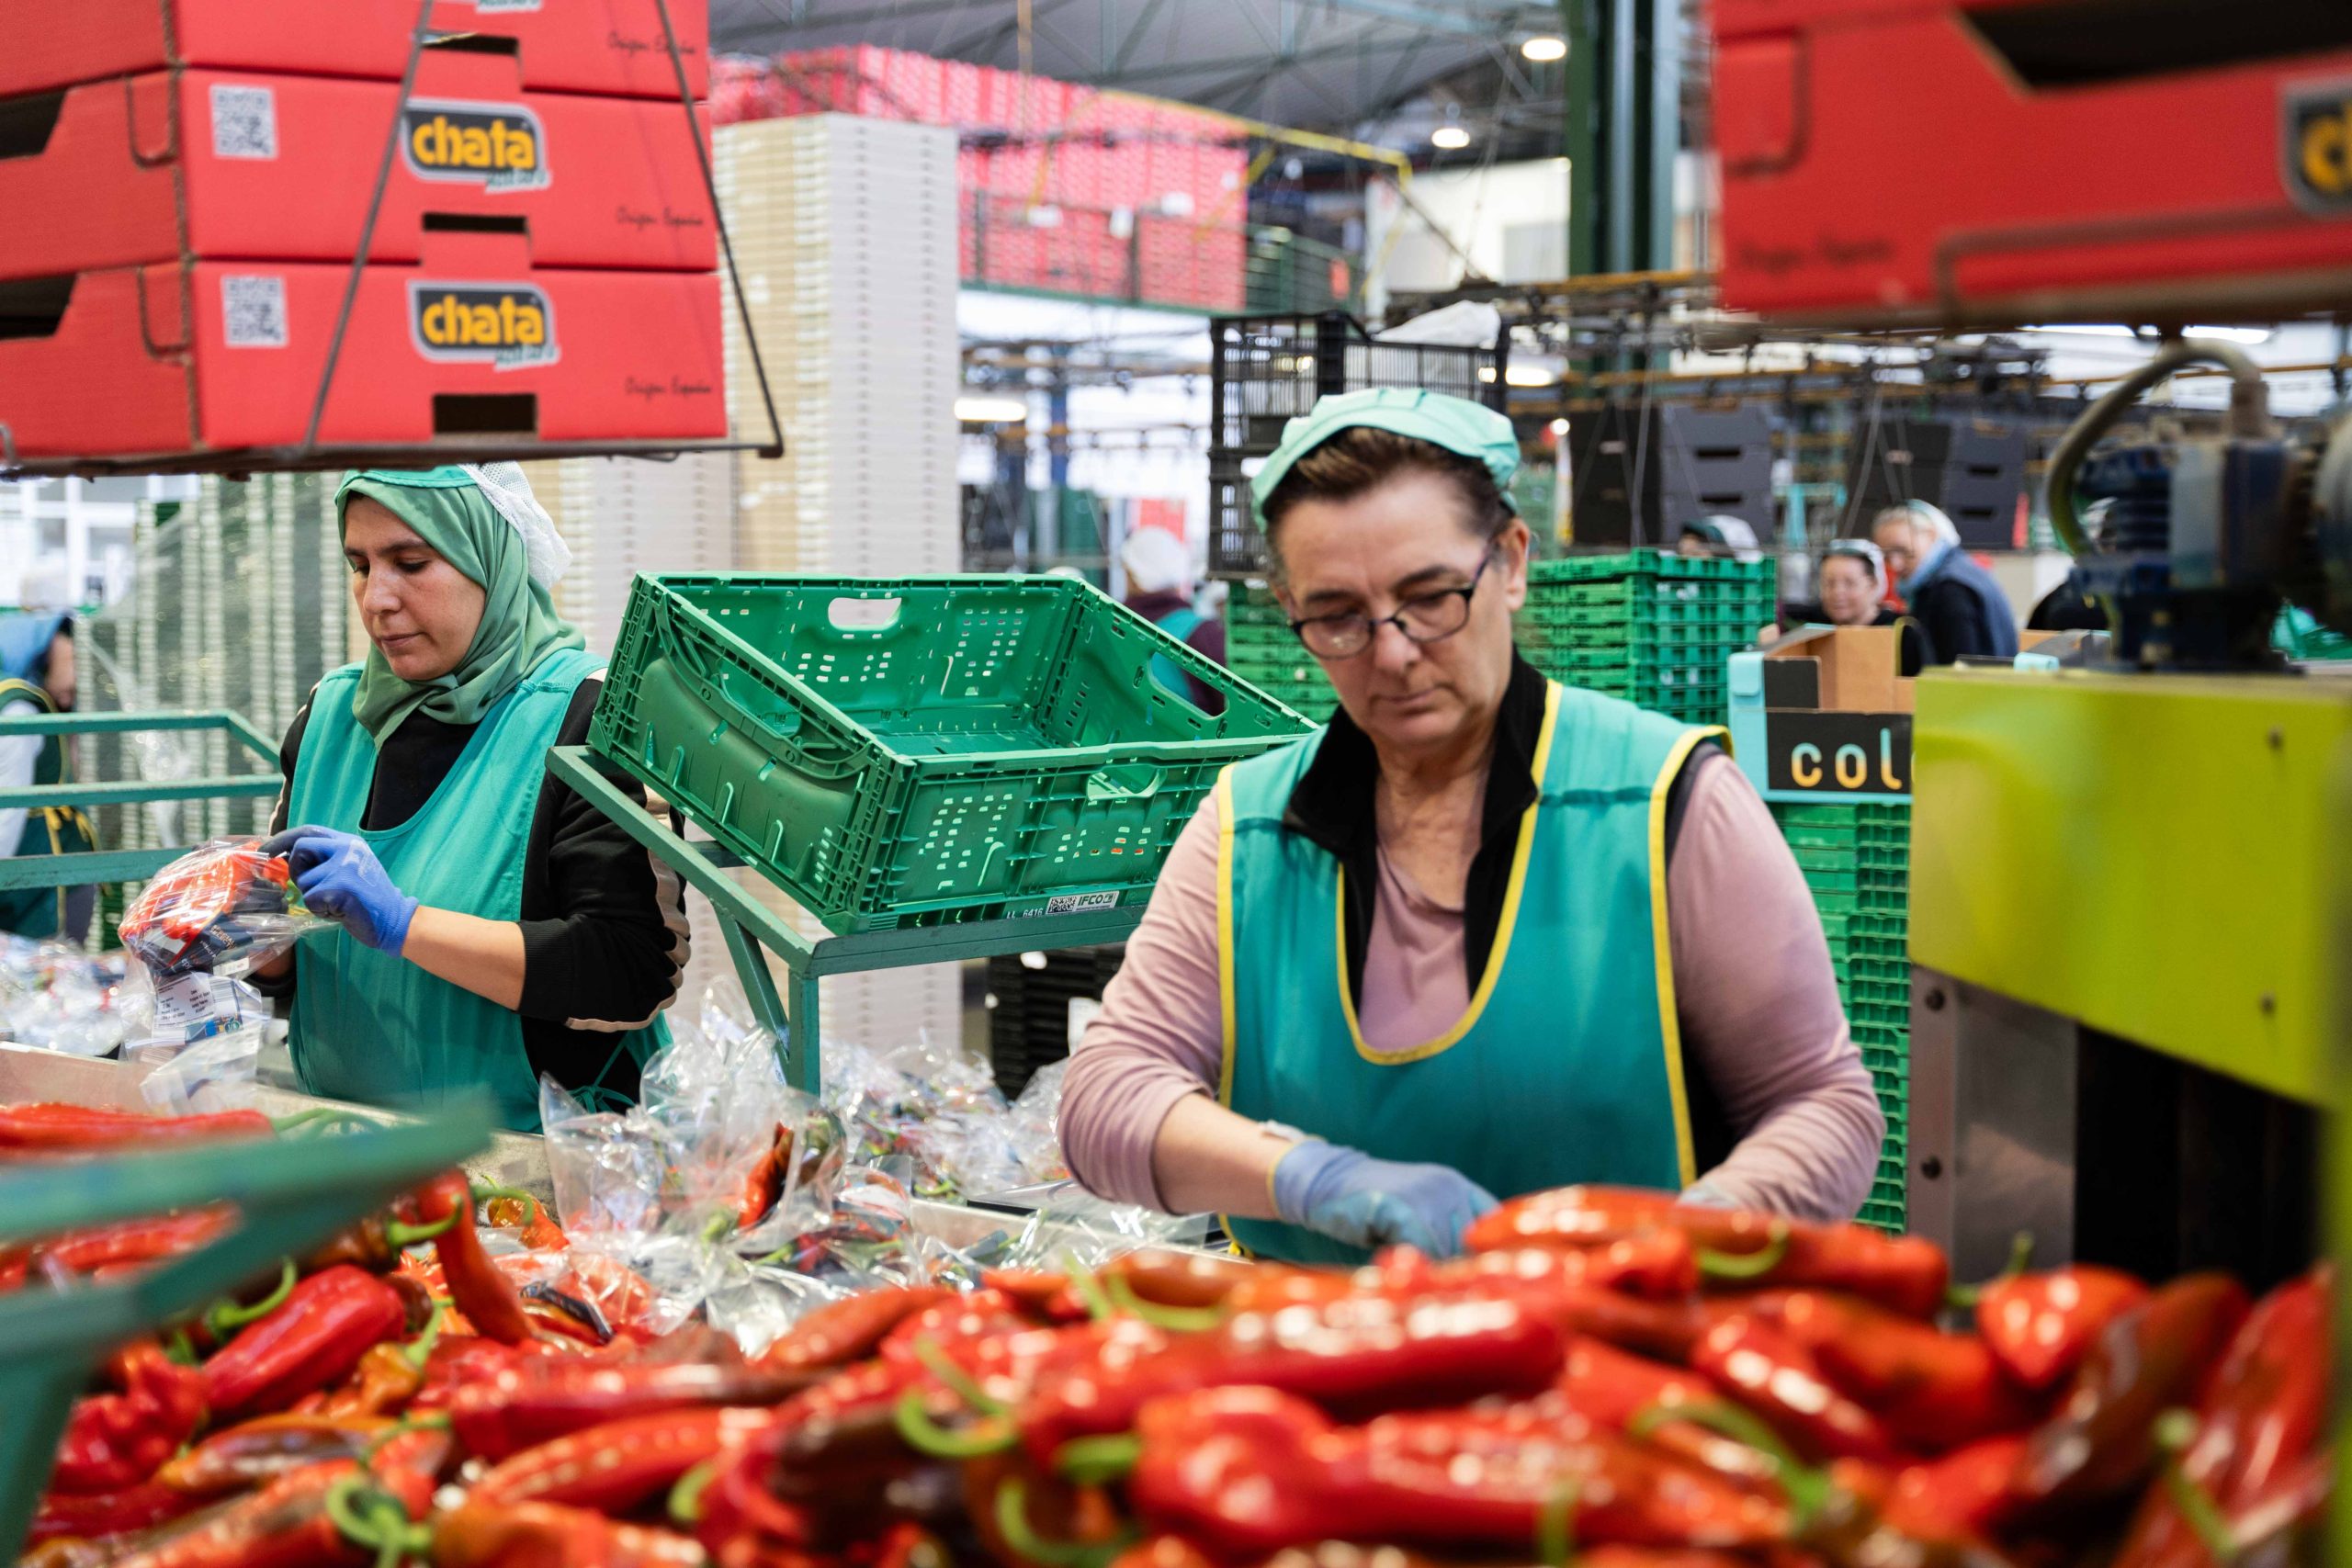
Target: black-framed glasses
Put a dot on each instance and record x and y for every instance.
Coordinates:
(1425, 617)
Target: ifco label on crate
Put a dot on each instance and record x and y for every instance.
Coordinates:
(1080, 903)
(511, 325)
(496, 146)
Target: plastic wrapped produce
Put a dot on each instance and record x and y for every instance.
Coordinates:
(221, 909)
(60, 999)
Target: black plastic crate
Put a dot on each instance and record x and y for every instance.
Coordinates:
(1265, 371)
(1029, 1015)
(1973, 470)
(1639, 479)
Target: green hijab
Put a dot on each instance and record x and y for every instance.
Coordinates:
(519, 625)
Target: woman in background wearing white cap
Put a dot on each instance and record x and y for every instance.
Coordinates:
(494, 926)
(1159, 587)
(1483, 934)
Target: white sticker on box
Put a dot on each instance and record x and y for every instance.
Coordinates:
(1077, 903)
(252, 311)
(244, 121)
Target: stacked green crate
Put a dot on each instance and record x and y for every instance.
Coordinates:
(1653, 627)
(1855, 858)
(1260, 648)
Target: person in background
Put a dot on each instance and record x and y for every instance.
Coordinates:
(1955, 601)
(1723, 537)
(1159, 589)
(36, 676)
(495, 925)
(1851, 581)
(1482, 933)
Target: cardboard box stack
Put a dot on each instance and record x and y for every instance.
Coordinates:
(541, 265)
(1066, 189)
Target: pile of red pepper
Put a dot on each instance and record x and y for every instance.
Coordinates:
(1607, 1379)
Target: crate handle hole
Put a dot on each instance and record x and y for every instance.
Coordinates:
(1132, 781)
(864, 615)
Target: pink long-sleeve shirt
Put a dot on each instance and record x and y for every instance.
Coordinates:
(1754, 992)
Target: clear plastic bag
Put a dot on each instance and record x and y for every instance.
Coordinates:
(1034, 1124)
(221, 909)
(216, 1073)
(60, 999)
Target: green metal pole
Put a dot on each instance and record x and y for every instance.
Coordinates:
(1579, 27)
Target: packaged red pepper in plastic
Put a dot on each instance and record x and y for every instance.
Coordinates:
(221, 909)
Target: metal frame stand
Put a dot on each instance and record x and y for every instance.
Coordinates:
(293, 1194)
(748, 926)
(18, 872)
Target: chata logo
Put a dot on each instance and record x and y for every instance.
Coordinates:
(2318, 146)
(496, 146)
(509, 325)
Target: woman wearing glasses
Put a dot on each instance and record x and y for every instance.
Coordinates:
(1483, 934)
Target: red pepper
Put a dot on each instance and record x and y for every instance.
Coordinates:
(383, 1383)
(536, 1401)
(1179, 1279)
(55, 1129)
(764, 1183)
(117, 1440)
(479, 1288)
(541, 1535)
(617, 1466)
(460, 1360)
(1773, 1375)
(1614, 1386)
(1933, 1391)
(316, 1337)
(1961, 1497)
(254, 1451)
(1660, 1264)
(520, 1210)
(143, 1240)
(139, 1508)
(1738, 1248)
(1251, 1471)
(983, 1313)
(1359, 1354)
(847, 1330)
(2101, 1444)
(1039, 1293)
(2263, 1414)
(2040, 1325)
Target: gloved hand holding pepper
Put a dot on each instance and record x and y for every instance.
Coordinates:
(1348, 1196)
(340, 878)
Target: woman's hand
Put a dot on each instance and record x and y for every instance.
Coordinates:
(340, 878)
(1348, 1196)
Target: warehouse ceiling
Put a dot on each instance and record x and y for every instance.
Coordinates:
(1388, 70)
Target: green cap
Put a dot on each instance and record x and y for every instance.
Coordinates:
(1457, 425)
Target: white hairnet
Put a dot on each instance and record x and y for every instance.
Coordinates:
(1156, 561)
(510, 493)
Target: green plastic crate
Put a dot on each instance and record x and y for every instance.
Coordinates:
(909, 752)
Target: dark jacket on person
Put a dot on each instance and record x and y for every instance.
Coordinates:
(1207, 638)
(2065, 610)
(1962, 610)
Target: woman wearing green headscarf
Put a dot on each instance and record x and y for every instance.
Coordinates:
(494, 926)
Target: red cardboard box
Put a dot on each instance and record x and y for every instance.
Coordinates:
(2032, 175)
(206, 356)
(571, 46)
(219, 164)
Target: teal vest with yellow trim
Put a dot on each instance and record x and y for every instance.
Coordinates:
(1567, 1067)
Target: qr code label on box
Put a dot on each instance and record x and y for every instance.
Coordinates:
(252, 311)
(244, 122)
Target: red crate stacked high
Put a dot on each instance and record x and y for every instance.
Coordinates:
(194, 177)
(1067, 189)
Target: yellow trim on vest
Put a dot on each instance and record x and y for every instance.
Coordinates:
(1669, 1023)
(1503, 927)
(1223, 797)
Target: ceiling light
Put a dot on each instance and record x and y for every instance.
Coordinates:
(1559, 427)
(1543, 48)
(1449, 138)
(991, 411)
(1528, 375)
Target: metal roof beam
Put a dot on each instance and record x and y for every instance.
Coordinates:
(1467, 20)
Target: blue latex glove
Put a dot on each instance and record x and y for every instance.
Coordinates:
(1348, 1196)
(341, 879)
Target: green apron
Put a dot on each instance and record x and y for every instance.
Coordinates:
(1179, 625)
(48, 829)
(1568, 1067)
(377, 1028)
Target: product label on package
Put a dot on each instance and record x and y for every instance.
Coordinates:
(196, 1007)
(496, 146)
(244, 121)
(1079, 903)
(252, 311)
(510, 326)
(2318, 145)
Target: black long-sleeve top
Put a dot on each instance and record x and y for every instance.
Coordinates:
(603, 923)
